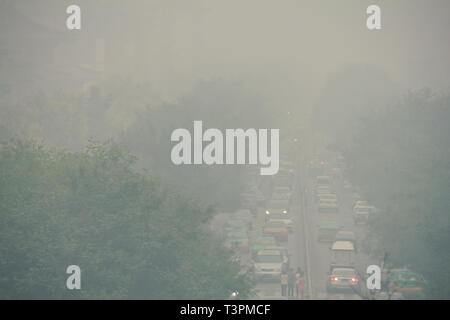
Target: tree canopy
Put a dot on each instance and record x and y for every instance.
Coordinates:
(131, 236)
(400, 157)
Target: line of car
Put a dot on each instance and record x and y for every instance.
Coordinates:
(342, 275)
(397, 283)
(263, 236)
(270, 262)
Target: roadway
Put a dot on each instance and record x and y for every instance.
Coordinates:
(308, 253)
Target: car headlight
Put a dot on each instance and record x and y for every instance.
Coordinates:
(267, 212)
(284, 211)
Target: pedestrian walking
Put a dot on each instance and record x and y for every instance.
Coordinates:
(284, 283)
(297, 278)
(301, 286)
(291, 282)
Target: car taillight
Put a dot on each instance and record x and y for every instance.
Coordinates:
(355, 279)
(334, 279)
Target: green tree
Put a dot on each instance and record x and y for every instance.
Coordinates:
(131, 236)
(401, 159)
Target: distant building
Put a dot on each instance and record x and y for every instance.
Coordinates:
(35, 57)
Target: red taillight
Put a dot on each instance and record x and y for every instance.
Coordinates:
(355, 279)
(321, 162)
(334, 279)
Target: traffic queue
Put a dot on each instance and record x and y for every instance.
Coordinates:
(260, 235)
(344, 274)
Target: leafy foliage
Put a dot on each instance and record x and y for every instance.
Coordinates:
(131, 236)
(401, 159)
(219, 104)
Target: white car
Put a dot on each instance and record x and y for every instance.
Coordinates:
(269, 264)
(341, 279)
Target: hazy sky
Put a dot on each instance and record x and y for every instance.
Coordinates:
(285, 48)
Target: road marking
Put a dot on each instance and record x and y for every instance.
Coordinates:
(307, 260)
(303, 214)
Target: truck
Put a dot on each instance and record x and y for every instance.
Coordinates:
(342, 254)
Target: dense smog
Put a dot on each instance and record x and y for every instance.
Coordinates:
(224, 150)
